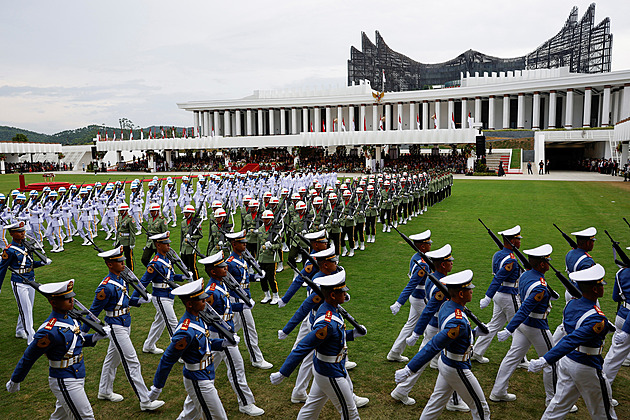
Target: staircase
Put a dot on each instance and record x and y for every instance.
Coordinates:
(504, 156)
(250, 167)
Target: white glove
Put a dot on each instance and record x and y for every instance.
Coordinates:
(358, 333)
(252, 302)
(537, 365)
(478, 333)
(154, 393)
(281, 304)
(620, 337)
(395, 307)
(267, 244)
(335, 220)
(142, 300)
(276, 378)
(98, 336)
(282, 335)
(237, 340)
(220, 244)
(13, 386)
(503, 335)
(483, 303)
(264, 273)
(411, 340)
(402, 374)
(47, 261)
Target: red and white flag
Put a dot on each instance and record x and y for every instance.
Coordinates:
(400, 122)
(98, 136)
(311, 126)
(106, 136)
(141, 134)
(199, 131)
(343, 124)
(323, 126)
(364, 125)
(162, 130)
(435, 121)
(114, 139)
(150, 133)
(130, 134)
(212, 133)
(380, 124)
(173, 132)
(452, 120)
(185, 135)
(352, 127)
(418, 121)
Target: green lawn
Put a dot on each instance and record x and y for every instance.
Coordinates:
(375, 277)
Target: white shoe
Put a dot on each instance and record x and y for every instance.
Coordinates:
(299, 399)
(285, 247)
(280, 267)
(399, 358)
(404, 222)
(275, 299)
(267, 298)
(113, 397)
(573, 409)
(151, 405)
(626, 363)
(102, 229)
(350, 364)
(479, 358)
(523, 365)
(389, 228)
(460, 406)
(503, 398)
(351, 253)
(356, 245)
(251, 410)
(55, 249)
(614, 402)
(109, 235)
(138, 233)
(154, 350)
(360, 401)
(85, 243)
(174, 224)
(384, 228)
(345, 252)
(298, 259)
(406, 400)
(263, 364)
(68, 239)
(60, 249)
(21, 335)
(362, 247)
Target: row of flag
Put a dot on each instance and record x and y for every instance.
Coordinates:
(151, 134)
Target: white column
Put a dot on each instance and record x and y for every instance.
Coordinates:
(506, 111)
(552, 109)
(375, 117)
(625, 109)
(208, 125)
(491, 112)
(568, 116)
(451, 113)
(478, 109)
(249, 122)
(283, 122)
(586, 117)
(539, 148)
(606, 106)
(520, 113)
(317, 124)
(272, 121)
(293, 120)
(217, 122)
(388, 117)
(261, 122)
(464, 116)
(425, 115)
(412, 116)
(305, 124)
(329, 119)
(227, 123)
(437, 114)
(363, 123)
(351, 124)
(536, 111)
(237, 129)
(196, 122)
(340, 120)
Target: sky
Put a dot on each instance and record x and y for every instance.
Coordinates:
(71, 63)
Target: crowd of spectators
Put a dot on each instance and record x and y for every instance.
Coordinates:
(424, 162)
(26, 167)
(603, 166)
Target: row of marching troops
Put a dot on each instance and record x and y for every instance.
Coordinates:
(571, 358)
(216, 309)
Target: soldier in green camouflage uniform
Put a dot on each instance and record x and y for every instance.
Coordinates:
(186, 250)
(269, 245)
(126, 233)
(155, 224)
(216, 233)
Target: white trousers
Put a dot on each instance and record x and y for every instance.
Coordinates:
(505, 306)
(305, 373)
(53, 234)
(120, 345)
(575, 380)
(416, 307)
(202, 401)
(405, 386)
(169, 212)
(35, 230)
(617, 353)
(85, 229)
(235, 372)
(467, 387)
(72, 402)
(25, 297)
(337, 390)
(163, 311)
(524, 337)
(245, 320)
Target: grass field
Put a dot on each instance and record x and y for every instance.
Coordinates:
(375, 277)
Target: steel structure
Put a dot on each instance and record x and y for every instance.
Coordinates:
(580, 45)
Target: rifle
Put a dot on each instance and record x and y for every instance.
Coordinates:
(568, 284)
(82, 314)
(127, 275)
(617, 250)
(624, 219)
(319, 293)
(196, 220)
(493, 236)
(273, 230)
(210, 316)
(441, 287)
(567, 238)
(231, 283)
(523, 260)
(60, 201)
(173, 257)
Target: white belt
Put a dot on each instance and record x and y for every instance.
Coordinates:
(124, 234)
(456, 356)
(538, 316)
(160, 286)
(420, 287)
(626, 305)
(591, 351)
(331, 359)
(506, 284)
(204, 363)
(24, 270)
(64, 363)
(119, 312)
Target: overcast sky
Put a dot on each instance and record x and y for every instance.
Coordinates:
(67, 64)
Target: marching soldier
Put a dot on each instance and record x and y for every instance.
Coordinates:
(126, 233)
(217, 232)
(155, 225)
(111, 297)
(269, 238)
(189, 240)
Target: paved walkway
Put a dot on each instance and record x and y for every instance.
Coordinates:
(553, 176)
